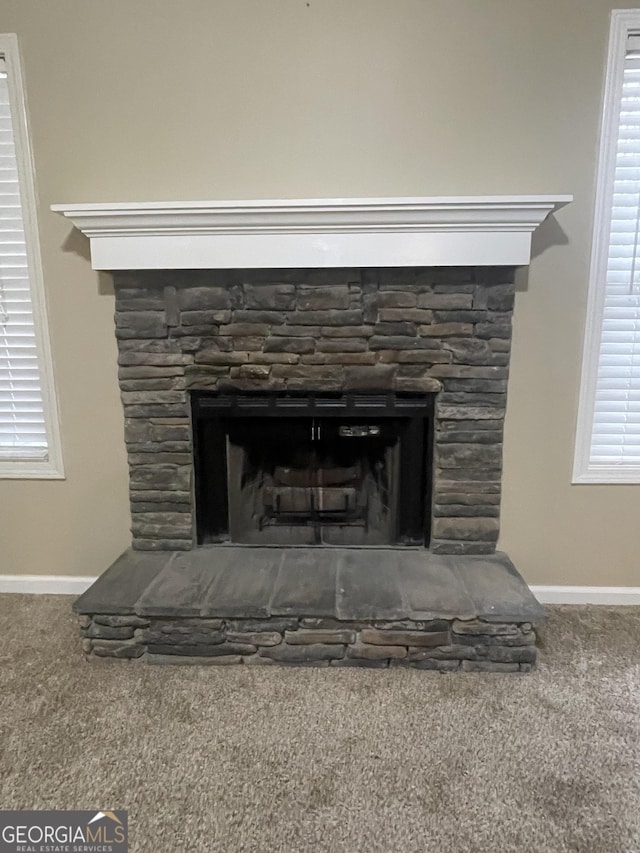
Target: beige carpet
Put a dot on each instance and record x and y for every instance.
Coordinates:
(244, 759)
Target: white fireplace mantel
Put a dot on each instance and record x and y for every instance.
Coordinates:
(373, 232)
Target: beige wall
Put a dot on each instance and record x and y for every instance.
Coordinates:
(158, 99)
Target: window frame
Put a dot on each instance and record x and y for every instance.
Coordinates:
(51, 467)
(623, 22)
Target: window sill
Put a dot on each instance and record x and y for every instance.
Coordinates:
(31, 469)
(607, 476)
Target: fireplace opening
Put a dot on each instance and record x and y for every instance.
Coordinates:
(312, 469)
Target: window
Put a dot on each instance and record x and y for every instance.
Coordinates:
(29, 436)
(608, 434)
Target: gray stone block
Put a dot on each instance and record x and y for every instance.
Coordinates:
(452, 652)
(437, 665)
(477, 413)
(277, 297)
(304, 653)
(445, 301)
(398, 328)
(288, 331)
(398, 299)
(204, 298)
(412, 315)
(479, 626)
(342, 345)
(377, 378)
(365, 651)
(176, 638)
(206, 321)
(322, 298)
(423, 357)
(512, 654)
(120, 621)
(324, 636)
(459, 316)
(405, 638)
(205, 650)
(117, 648)
(141, 324)
(105, 632)
(255, 638)
(474, 529)
(424, 384)
(359, 331)
(501, 297)
(289, 345)
(325, 318)
(400, 342)
(261, 625)
(446, 330)
(239, 330)
(162, 477)
(466, 510)
(213, 356)
(481, 436)
(494, 330)
(469, 351)
(469, 456)
(266, 318)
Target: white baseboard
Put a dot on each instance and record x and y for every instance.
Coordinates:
(72, 585)
(45, 584)
(587, 594)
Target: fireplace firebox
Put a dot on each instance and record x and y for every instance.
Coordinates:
(313, 469)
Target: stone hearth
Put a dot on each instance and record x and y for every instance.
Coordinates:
(313, 606)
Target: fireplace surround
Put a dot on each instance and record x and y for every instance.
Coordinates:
(443, 333)
(325, 375)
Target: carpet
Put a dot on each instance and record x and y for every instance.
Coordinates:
(271, 759)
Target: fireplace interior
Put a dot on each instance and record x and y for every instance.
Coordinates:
(312, 469)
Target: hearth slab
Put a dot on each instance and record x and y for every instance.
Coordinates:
(245, 584)
(118, 590)
(433, 588)
(367, 589)
(347, 584)
(181, 586)
(496, 589)
(306, 582)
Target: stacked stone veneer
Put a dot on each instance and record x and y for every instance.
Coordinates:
(440, 644)
(444, 331)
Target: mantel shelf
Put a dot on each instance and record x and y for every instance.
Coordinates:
(439, 231)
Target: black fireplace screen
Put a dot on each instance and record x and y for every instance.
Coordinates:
(311, 469)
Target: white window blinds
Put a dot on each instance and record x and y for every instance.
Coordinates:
(607, 448)
(23, 433)
(29, 428)
(615, 437)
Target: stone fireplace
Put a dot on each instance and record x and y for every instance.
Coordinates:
(323, 397)
(398, 350)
